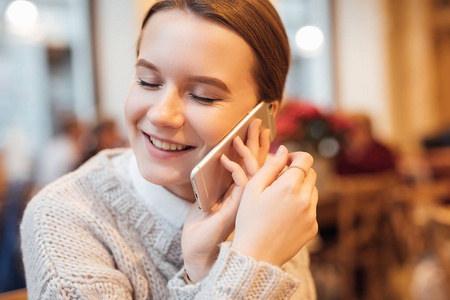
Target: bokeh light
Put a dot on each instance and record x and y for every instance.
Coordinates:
(309, 40)
(22, 18)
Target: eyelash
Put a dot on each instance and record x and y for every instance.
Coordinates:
(192, 96)
(202, 99)
(146, 84)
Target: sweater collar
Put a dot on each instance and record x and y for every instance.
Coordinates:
(171, 207)
(155, 231)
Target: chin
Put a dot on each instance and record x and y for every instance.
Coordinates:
(174, 184)
(162, 175)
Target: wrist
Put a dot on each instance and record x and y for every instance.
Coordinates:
(256, 253)
(186, 278)
(198, 263)
(194, 274)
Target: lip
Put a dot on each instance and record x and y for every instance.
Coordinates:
(162, 154)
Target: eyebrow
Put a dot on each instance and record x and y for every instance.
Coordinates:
(146, 64)
(211, 81)
(200, 79)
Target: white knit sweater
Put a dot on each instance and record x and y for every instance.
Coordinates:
(88, 235)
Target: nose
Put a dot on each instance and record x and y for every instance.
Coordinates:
(167, 111)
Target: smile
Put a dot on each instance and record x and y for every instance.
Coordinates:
(167, 146)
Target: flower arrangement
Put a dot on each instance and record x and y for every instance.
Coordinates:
(302, 126)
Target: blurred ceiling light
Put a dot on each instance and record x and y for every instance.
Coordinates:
(22, 18)
(309, 40)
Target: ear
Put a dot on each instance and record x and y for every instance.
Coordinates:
(276, 106)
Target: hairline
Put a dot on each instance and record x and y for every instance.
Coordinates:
(189, 11)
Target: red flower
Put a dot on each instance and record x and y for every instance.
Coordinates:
(291, 118)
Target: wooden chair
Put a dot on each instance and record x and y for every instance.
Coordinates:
(419, 228)
(413, 226)
(362, 202)
(439, 230)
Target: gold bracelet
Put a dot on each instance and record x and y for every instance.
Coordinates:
(186, 278)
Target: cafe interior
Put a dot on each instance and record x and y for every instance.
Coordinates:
(368, 95)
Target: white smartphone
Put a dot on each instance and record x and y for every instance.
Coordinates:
(209, 179)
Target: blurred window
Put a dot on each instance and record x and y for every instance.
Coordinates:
(308, 27)
(46, 67)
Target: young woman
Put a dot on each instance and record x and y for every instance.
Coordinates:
(125, 226)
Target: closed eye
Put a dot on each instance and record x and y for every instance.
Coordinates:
(148, 85)
(194, 97)
(203, 99)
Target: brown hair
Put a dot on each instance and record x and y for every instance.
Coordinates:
(258, 23)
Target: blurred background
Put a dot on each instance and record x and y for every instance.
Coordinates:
(368, 95)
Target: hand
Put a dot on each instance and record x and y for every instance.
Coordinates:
(257, 147)
(204, 231)
(277, 213)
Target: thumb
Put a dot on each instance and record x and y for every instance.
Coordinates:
(270, 170)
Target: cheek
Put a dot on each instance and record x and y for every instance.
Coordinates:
(134, 108)
(127, 110)
(211, 127)
(211, 131)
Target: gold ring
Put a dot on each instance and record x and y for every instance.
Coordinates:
(301, 168)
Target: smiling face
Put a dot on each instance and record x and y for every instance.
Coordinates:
(193, 83)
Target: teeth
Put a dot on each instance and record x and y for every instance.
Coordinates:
(167, 146)
(157, 143)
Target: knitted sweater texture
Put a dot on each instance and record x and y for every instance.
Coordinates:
(88, 235)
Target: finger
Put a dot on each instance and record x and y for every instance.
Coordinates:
(310, 204)
(309, 182)
(299, 165)
(264, 139)
(253, 136)
(237, 173)
(250, 162)
(269, 171)
(300, 156)
(315, 198)
(264, 146)
(314, 201)
(306, 188)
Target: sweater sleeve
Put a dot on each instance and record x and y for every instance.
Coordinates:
(58, 288)
(63, 261)
(236, 276)
(299, 266)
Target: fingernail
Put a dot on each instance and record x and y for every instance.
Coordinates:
(281, 150)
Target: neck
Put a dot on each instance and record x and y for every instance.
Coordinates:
(183, 191)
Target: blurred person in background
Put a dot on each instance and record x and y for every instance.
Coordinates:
(108, 135)
(362, 153)
(62, 153)
(125, 224)
(105, 135)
